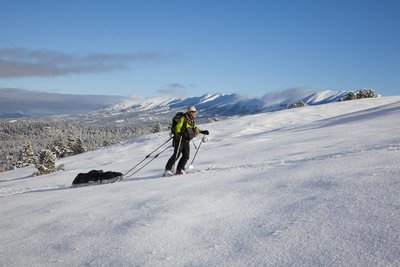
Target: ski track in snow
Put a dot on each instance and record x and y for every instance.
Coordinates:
(212, 170)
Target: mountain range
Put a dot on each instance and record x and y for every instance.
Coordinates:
(209, 106)
(234, 104)
(110, 110)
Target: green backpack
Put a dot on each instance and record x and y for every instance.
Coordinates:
(175, 122)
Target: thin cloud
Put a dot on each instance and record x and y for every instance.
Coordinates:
(173, 89)
(20, 62)
(42, 103)
(285, 95)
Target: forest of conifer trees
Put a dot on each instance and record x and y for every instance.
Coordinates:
(32, 142)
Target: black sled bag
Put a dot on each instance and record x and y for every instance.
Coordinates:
(97, 176)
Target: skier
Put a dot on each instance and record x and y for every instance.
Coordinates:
(184, 131)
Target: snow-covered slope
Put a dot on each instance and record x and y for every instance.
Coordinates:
(315, 186)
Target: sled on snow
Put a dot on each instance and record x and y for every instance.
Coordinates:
(97, 177)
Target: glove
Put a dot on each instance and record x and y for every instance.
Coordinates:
(205, 132)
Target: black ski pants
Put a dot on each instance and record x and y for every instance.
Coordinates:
(184, 148)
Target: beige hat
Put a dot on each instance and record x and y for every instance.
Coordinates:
(192, 108)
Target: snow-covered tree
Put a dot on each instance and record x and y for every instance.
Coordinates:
(46, 162)
(76, 146)
(156, 128)
(71, 144)
(363, 93)
(297, 105)
(8, 163)
(366, 93)
(26, 156)
(350, 96)
(79, 146)
(213, 119)
(60, 148)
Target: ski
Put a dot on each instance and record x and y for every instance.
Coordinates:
(188, 172)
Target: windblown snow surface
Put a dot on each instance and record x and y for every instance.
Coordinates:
(314, 186)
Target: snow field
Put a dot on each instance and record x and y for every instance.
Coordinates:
(315, 186)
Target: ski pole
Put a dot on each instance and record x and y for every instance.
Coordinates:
(177, 153)
(148, 156)
(147, 163)
(195, 147)
(202, 141)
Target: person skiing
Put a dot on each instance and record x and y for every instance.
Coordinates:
(184, 131)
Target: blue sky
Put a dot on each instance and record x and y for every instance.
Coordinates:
(188, 48)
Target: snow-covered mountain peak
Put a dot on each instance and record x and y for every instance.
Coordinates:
(209, 97)
(142, 103)
(324, 97)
